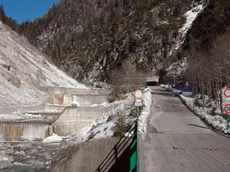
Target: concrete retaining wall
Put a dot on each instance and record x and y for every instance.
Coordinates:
(74, 118)
(84, 159)
(84, 97)
(20, 131)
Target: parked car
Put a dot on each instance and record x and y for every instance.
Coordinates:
(187, 91)
(177, 89)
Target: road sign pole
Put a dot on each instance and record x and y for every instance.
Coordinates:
(138, 104)
(137, 158)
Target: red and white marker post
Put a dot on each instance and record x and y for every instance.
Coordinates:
(227, 106)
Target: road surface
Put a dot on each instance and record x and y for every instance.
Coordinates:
(178, 141)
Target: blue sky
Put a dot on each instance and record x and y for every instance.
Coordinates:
(22, 10)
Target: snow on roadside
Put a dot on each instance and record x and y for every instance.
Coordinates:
(143, 119)
(52, 139)
(216, 121)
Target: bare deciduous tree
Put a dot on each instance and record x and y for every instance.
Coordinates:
(209, 72)
(126, 79)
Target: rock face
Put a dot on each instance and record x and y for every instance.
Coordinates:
(214, 20)
(90, 38)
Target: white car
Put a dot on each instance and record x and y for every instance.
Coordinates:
(163, 86)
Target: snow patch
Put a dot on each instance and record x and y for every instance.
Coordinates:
(190, 17)
(52, 139)
(105, 104)
(18, 115)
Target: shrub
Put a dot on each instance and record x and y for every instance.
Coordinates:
(121, 127)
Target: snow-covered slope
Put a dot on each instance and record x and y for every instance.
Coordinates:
(23, 68)
(190, 17)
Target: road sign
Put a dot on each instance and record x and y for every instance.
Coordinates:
(227, 108)
(138, 94)
(138, 102)
(227, 92)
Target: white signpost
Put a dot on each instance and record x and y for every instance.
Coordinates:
(138, 96)
(138, 102)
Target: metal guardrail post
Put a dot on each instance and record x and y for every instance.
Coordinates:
(98, 169)
(115, 152)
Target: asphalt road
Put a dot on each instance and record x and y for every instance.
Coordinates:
(178, 141)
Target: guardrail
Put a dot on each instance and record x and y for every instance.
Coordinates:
(118, 149)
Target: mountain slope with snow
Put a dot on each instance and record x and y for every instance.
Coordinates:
(190, 15)
(88, 39)
(23, 69)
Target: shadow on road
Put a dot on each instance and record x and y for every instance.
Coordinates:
(162, 93)
(151, 129)
(199, 126)
(162, 90)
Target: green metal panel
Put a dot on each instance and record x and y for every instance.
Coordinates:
(133, 144)
(133, 161)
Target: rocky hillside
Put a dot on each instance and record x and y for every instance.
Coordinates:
(23, 69)
(88, 39)
(212, 23)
